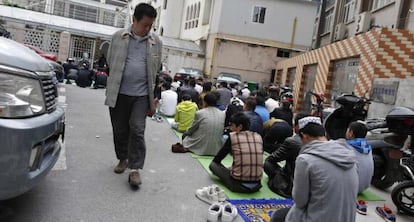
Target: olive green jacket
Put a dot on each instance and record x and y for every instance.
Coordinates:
(116, 61)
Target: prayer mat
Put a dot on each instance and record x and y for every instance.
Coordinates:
(260, 210)
(264, 192)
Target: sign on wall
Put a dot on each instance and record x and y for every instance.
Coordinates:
(384, 91)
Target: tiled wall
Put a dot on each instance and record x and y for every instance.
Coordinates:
(383, 53)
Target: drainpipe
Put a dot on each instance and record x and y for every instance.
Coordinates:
(292, 40)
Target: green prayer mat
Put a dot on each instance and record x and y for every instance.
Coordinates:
(265, 192)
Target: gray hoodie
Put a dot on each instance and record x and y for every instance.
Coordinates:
(326, 183)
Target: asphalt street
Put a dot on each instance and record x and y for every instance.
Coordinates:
(83, 187)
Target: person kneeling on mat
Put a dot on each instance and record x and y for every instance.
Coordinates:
(246, 147)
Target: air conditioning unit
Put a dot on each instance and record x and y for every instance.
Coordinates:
(363, 22)
(340, 30)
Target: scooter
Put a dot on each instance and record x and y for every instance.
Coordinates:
(352, 108)
(384, 136)
(403, 194)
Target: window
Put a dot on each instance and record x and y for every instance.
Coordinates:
(349, 11)
(380, 3)
(165, 4)
(259, 14)
(193, 13)
(328, 21)
(283, 53)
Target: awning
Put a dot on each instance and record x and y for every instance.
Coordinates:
(181, 45)
(77, 27)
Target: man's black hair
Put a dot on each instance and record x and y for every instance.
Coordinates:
(192, 83)
(299, 116)
(185, 97)
(210, 99)
(207, 86)
(144, 9)
(223, 84)
(250, 103)
(240, 118)
(313, 130)
(166, 85)
(286, 104)
(359, 129)
(260, 101)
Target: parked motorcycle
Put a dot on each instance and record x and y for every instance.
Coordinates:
(352, 108)
(403, 194)
(385, 136)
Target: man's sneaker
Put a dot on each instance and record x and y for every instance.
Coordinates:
(229, 212)
(361, 207)
(121, 167)
(221, 196)
(386, 213)
(207, 194)
(134, 179)
(214, 212)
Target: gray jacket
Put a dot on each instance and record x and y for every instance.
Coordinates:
(116, 61)
(205, 136)
(325, 184)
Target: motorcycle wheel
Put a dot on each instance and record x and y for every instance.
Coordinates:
(380, 179)
(403, 197)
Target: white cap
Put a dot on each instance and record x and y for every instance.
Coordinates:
(310, 119)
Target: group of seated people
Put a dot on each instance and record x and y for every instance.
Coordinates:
(316, 171)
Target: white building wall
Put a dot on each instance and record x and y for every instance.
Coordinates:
(202, 30)
(235, 17)
(178, 59)
(170, 18)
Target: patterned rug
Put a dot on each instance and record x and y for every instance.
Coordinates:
(259, 210)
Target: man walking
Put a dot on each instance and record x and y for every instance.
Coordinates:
(134, 59)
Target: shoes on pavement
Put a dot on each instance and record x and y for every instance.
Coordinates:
(229, 212)
(214, 212)
(121, 167)
(178, 148)
(211, 194)
(386, 213)
(361, 207)
(134, 179)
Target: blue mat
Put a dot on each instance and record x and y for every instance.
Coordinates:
(260, 210)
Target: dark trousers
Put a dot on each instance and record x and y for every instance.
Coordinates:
(128, 124)
(280, 215)
(234, 185)
(270, 168)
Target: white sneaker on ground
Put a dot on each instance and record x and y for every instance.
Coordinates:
(207, 194)
(221, 196)
(229, 212)
(214, 212)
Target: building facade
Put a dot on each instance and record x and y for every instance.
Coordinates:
(351, 57)
(239, 36)
(65, 28)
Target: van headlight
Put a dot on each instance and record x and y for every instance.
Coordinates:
(20, 96)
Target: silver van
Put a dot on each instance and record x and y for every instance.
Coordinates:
(31, 122)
